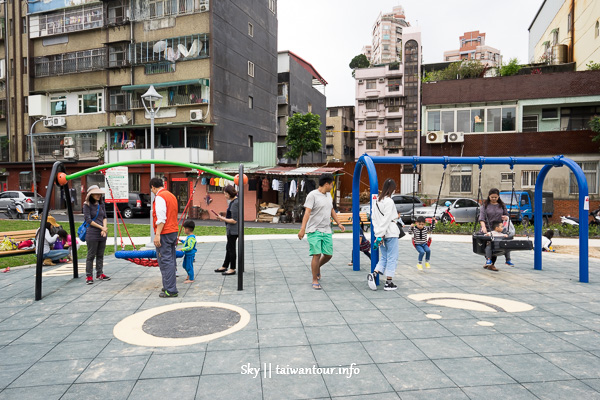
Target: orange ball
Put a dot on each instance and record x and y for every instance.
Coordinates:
(236, 179)
(61, 178)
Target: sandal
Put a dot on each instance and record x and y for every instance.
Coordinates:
(220, 270)
(317, 286)
(319, 277)
(229, 273)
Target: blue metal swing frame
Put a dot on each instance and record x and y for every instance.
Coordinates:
(548, 163)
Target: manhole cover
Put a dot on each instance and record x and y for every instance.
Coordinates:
(191, 322)
(181, 324)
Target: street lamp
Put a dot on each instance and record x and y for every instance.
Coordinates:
(33, 162)
(151, 101)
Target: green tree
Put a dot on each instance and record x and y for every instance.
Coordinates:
(510, 69)
(303, 135)
(592, 66)
(465, 69)
(595, 127)
(359, 61)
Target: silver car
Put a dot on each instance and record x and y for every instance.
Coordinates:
(404, 205)
(463, 210)
(25, 197)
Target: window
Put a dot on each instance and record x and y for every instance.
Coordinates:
(461, 178)
(447, 121)
(501, 119)
(309, 107)
(251, 68)
(509, 119)
(250, 102)
(25, 65)
(530, 123)
(597, 30)
(24, 20)
(371, 125)
(118, 100)
(134, 183)
(394, 125)
(386, 37)
(507, 176)
(570, 22)
(590, 169)
(272, 6)
(90, 103)
(371, 104)
(549, 113)
(333, 112)
(433, 120)
(371, 144)
(250, 30)
(577, 118)
(181, 48)
(329, 149)
(118, 12)
(477, 120)
(118, 55)
(394, 85)
(58, 105)
(528, 179)
(67, 20)
(371, 83)
(250, 141)
(69, 63)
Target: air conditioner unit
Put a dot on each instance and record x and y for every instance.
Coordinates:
(456, 137)
(195, 115)
(361, 81)
(380, 141)
(69, 153)
(381, 121)
(360, 141)
(202, 8)
(435, 137)
(361, 122)
(48, 123)
(121, 120)
(69, 141)
(381, 79)
(59, 121)
(56, 153)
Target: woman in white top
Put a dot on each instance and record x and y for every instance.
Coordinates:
(383, 219)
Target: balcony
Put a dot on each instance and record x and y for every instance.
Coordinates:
(182, 48)
(372, 93)
(67, 20)
(282, 93)
(182, 154)
(147, 10)
(394, 112)
(70, 63)
(51, 147)
(176, 93)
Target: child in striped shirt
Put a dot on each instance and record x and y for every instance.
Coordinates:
(420, 234)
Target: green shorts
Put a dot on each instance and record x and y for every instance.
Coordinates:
(320, 243)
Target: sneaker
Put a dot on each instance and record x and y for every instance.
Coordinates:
(64, 260)
(510, 263)
(420, 267)
(488, 262)
(167, 294)
(89, 280)
(427, 265)
(389, 285)
(103, 277)
(371, 281)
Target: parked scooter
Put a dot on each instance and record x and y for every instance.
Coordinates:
(15, 210)
(568, 220)
(446, 216)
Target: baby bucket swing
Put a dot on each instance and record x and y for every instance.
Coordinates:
(414, 196)
(146, 258)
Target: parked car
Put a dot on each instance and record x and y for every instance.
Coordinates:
(404, 206)
(25, 197)
(523, 205)
(138, 205)
(463, 210)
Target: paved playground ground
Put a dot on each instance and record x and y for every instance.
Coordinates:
(344, 341)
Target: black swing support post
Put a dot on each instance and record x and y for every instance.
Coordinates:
(240, 266)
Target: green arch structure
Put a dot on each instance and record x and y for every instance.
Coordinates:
(59, 167)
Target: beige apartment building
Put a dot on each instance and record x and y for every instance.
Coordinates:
(566, 31)
(339, 142)
(386, 42)
(473, 47)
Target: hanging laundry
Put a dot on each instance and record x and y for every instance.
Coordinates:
(292, 192)
(212, 182)
(275, 184)
(222, 182)
(203, 181)
(280, 186)
(302, 186)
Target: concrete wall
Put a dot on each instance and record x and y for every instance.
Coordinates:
(231, 85)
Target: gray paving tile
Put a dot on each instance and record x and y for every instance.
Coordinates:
(355, 380)
(229, 362)
(294, 387)
(23, 353)
(581, 365)
(363, 316)
(149, 389)
(423, 329)
(332, 355)
(393, 351)
(529, 368)
(445, 347)
(295, 357)
(282, 337)
(99, 391)
(51, 373)
(555, 324)
(49, 392)
(562, 390)
(173, 365)
(382, 331)
(435, 394)
(8, 337)
(271, 321)
(543, 342)
(322, 318)
(587, 340)
(415, 375)
(330, 334)
(65, 319)
(76, 350)
(7, 375)
(378, 396)
(494, 345)
(318, 305)
(276, 308)
(468, 327)
(115, 348)
(244, 339)
(41, 334)
(114, 369)
(510, 391)
(231, 386)
(473, 371)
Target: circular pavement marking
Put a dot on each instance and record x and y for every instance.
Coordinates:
(472, 302)
(485, 323)
(181, 324)
(433, 316)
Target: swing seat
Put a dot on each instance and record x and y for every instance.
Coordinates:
(499, 247)
(146, 258)
(428, 242)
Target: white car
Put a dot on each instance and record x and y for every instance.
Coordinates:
(463, 210)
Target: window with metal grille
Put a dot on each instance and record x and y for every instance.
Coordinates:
(134, 182)
(394, 85)
(118, 100)
(590, 169)
(178, 49)
(70, 63)
(371, 104)
(371, 144)
(251, 68)
(461, 178)
(371, 83)
(371, 125)
(528, 178)
(530, 123)
(118, 55)
(507, 176)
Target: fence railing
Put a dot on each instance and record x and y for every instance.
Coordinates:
(70, 63)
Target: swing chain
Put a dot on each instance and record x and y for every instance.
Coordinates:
(433, 221)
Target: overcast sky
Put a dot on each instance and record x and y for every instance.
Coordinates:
(329, 33)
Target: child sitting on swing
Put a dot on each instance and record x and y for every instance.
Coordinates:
(364, 245)
(420, 234)
(496, 233)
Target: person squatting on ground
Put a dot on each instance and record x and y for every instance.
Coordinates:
(383, 220)
(420, 234)
(94, 213)
(189, 249)
(318, 210)
(50, 256)
(364, 245)
(66, 242)
(547, 240)
(231, 220)
(493, 210)
(166, 228)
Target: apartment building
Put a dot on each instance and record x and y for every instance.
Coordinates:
(340, 133)
(213, 62)
(388, 103)
(566, 31)
(300, 89)
(473, 47)
(540, 115)
(386, 37)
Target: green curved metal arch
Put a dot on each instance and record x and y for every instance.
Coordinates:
(147, 162)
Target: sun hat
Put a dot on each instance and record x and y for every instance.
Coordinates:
(52, 221)
(94, 189)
